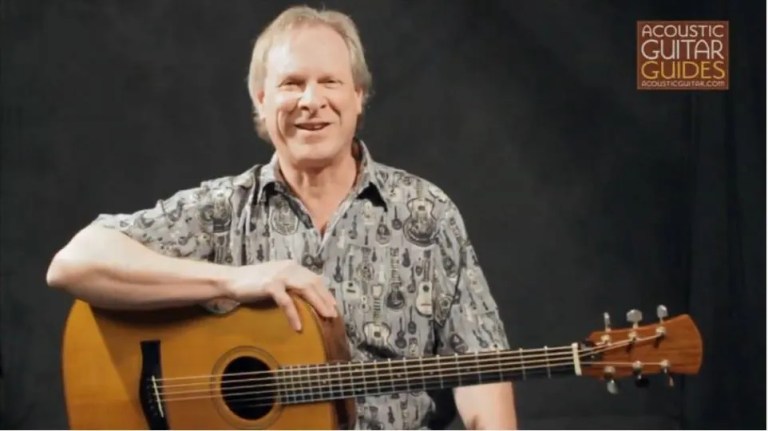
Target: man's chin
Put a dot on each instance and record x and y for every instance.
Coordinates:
(314, 154)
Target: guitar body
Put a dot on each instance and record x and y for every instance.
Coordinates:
(106, 352)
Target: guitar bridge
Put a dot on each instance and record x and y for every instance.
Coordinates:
(150, 388)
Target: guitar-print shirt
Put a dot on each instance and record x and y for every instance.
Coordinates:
(396, 256)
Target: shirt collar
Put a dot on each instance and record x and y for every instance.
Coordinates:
(368, 184)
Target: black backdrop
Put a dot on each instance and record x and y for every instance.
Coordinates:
(581, 194)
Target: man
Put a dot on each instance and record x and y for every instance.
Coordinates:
(384, 248)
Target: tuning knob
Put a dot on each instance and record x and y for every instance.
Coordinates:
(611, 384)
(634, 317)
(640, 380)
(665, 370)
(661, 331)
(613, 387)
(661, 312)
(607, 321)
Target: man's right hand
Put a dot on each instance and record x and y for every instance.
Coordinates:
(274, 280)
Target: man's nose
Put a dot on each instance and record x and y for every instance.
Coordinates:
(311, 98)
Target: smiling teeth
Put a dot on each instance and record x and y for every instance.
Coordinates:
(311, 126)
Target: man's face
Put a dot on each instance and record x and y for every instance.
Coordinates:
(309, 101)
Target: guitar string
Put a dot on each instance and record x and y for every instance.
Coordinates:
(307, 385)
(332, 374)
(207, 377)
(432, 361)
(324, 379)
(433, 383)
(306, 396)
(375, 367)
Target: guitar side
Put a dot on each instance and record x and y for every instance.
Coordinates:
(102, 363)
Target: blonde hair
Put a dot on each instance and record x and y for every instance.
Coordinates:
(295, 17)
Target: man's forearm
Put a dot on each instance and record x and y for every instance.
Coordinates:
(108, 269)
(490, 406)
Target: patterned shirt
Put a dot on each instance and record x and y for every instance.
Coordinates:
(396, 256)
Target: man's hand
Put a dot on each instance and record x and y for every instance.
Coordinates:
(489, 406)
(274, 280)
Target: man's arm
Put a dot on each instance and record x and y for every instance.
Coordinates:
(108, 269)
(132, 262)
(490, 406)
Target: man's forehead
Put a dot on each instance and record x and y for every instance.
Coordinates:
(307, 45)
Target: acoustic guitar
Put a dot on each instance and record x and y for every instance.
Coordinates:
(187, 368)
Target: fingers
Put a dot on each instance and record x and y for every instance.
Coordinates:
(277, 279)
(316, 297)
(284, 301)
(325, 295)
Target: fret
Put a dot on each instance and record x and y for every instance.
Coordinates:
(546, 358)
(309, 384)
(407, 375)
(279, 381)
(376, 374)
(477, 368)
(353, 383)
(302, 383)
(391, 376)
(362, 372)
(522, 361)
(440, 371)
(328, 383)
(341, 381)
(458, 366)
(292, 381)
(289, 381)
(324, 384)
(423, 375)
(297, 383)
(498, 363)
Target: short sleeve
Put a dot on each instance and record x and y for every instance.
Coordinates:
(176, 227)
(466, 317)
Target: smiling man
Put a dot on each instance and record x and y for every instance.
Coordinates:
(385, 249)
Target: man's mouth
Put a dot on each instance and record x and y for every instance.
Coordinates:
(311, 126)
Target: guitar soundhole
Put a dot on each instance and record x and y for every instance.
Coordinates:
(247, 388)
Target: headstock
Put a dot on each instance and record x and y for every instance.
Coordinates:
(668, 347)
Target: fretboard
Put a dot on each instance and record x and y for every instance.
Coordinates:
(320, 382)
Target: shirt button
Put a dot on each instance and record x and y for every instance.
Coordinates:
(317, 266)
(313, 264)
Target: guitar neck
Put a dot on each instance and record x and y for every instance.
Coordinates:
(322, 382)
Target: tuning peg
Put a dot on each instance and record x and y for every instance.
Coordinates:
(613, 387)
(670, 381)
(611, 384)
(607, 321)
(634, 317)
(665, 371)
(661, 331)
(640, 380)
(661, 313)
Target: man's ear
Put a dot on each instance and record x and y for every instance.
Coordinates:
(258, 101)
(359, 96)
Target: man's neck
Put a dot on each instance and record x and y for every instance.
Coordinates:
(322, 190)
(317, 184)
